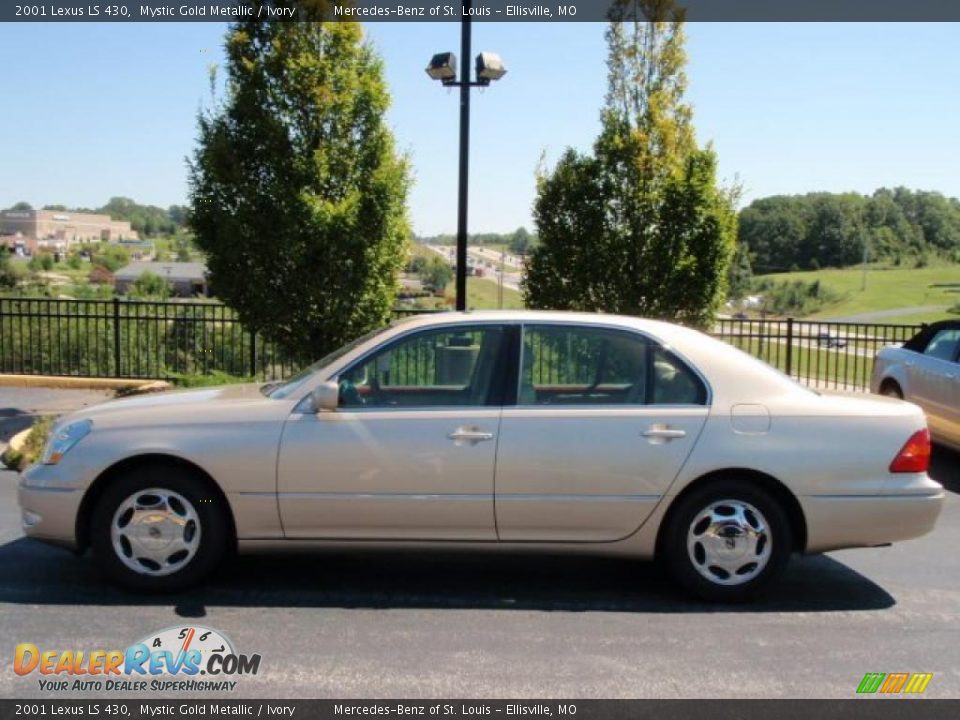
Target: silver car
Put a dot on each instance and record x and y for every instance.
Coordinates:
(926, 371)
(504, 431)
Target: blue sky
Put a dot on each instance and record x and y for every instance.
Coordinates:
(95, 110)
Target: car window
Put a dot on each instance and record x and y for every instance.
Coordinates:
(581, 366)
(944, 344)
(433, 368)
(596, 366)
(674, 383)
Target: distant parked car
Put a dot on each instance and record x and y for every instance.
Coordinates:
(926, 371)
(826, 339)
(517, 430)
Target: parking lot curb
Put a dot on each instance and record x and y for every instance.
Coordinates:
(79, 383)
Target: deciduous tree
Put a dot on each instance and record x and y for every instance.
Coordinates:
(298, 194)
(640, 225)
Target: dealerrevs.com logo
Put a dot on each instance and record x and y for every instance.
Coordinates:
(894, 683)
(186, 659)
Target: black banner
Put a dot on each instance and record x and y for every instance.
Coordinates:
(451, 10)
(855, 709)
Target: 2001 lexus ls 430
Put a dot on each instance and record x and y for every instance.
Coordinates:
(507, 430)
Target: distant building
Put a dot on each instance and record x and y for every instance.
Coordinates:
(19, 245)
(139, 249)
(186, 278)
(56, 228)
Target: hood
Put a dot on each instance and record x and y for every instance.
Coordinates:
(184, 405)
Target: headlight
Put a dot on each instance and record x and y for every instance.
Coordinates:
(63, 439)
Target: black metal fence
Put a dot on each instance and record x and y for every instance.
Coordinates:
(143, 339)
(831, 355)
(131, 339)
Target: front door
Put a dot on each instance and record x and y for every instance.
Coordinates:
(604, 421)
(410, 452)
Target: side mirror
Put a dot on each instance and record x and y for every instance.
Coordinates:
(325, 396)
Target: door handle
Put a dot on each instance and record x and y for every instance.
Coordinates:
(662, 432)
(470, 435)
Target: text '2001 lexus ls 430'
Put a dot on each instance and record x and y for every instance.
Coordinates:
(529, 431)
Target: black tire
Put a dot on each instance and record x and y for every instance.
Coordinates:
(890, 388)
(208, 514)
(682, 563)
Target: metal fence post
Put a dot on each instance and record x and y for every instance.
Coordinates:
(116, 337)
(789, 346)
(253, 354)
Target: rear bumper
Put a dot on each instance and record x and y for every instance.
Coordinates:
(844, 521)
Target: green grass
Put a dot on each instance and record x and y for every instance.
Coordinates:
(887, 288)
(482, 295)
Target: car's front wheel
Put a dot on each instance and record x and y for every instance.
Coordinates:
(158, 529)
(727, 541)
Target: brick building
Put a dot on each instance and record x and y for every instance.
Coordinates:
(61, 228)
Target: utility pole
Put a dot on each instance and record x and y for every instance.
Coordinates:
(866, 256)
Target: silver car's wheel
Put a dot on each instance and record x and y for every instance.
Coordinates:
(155, 532)
(729, 542)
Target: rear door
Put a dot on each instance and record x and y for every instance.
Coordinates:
(604, 420)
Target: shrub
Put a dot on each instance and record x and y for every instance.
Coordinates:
(214, 378)
(32, 446)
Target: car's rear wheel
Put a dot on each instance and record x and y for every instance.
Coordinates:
(727, 541)
(158, 529)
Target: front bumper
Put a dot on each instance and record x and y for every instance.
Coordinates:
(48, 509)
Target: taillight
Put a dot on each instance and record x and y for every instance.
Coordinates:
(914, 456)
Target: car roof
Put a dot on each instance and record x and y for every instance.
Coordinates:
(662, 330)
(944, 325)
(919, 341)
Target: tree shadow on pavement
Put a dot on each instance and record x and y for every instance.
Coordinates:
(14, 420)
(33, 573)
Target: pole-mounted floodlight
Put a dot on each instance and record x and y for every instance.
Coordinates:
(443, 67)
(489, 67)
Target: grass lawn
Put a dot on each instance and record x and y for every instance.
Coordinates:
(888, 288)
(482, 295)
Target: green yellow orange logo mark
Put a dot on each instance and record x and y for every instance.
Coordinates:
(894, 683)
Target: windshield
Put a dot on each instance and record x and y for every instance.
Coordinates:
(283, 388)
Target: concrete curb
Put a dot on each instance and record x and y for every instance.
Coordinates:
(79, 383)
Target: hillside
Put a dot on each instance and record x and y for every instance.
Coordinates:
(903, 295)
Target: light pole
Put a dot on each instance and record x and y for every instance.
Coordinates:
(443, 67)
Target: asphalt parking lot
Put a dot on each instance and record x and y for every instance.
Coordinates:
(427, 625)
